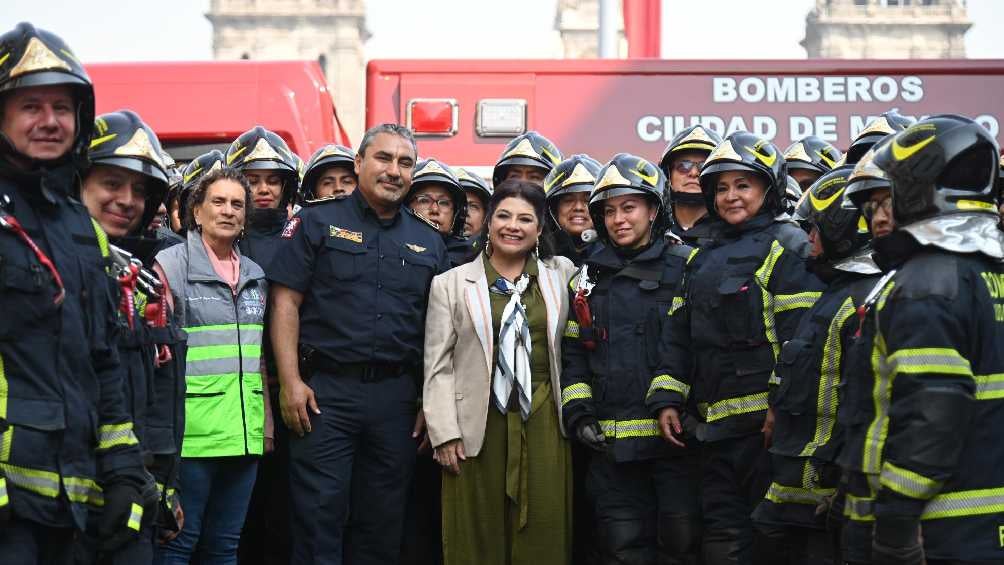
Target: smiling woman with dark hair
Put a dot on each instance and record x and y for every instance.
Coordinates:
(219, 299)
(492, 362)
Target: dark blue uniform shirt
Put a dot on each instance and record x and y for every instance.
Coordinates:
(365, 280)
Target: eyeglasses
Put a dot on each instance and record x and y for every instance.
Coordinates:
(684, 166)
(869, 208)
(429, 201)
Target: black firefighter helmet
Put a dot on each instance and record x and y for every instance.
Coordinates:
(941, 165)
(472, 181)
(430, 171)
(530, 149)
(327, 156)
(31, 57)
(888, 123)
(812, 154)
(626, 174)
(193, 173)
(122, 139)
(842, 231)
(261, 149)
(866, 177)
(744, 151)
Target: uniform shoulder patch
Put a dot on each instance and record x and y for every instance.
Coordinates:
(353, 236)
(290, 228)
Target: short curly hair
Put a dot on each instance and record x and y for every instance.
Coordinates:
(198, 195)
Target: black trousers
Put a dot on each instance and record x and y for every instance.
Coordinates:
(23, 542)
(349, 477)
(646, 512)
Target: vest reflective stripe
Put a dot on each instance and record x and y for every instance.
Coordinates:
(666, 382)
(827, 397)
(762, 276)
(736, 406)
(112, 435)
(964, 503)
(785, 302)
(214, 352)
(630, 428)
(939, 360)
(223, 327)
(45, 483)
(102, 238)
(135, 516)
(576, 391)
(859, 509)
(782, 494)
(989, 387)
(84, 491)
(877, 431)
(908, 483)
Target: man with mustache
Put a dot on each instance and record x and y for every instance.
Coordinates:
(351, 280)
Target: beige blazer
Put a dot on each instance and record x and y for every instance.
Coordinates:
(459, 348)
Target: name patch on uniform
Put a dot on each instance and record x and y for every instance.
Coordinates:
(353, 236)
(290, 228)
(415, 248)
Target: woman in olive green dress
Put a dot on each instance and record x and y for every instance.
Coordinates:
(491, 401)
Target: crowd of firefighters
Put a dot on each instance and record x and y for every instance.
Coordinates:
(750, 355)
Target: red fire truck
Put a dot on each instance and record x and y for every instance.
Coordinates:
(464, 111)
(198, 106)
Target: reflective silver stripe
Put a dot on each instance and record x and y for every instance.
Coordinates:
(666, 382)
(827, 397)
(576, 391)
(45, 483)
(135, 516)
(785, 302)
(782, 494)
(859, 509)
(737, 406)
(84, 491)
(630, 428)
(907, 482)
(113, 435)
(965, 503)
(4, 499)
(929, 360)
(989, 387)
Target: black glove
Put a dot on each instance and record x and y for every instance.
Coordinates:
(590, 433)
(896, 541)
(127, 509)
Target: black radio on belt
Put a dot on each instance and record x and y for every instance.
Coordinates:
(306, 361)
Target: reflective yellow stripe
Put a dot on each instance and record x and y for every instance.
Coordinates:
(736, 406)
(989, 387)
(693, 253)
(907, 482)
(576, 391)
(84, 491)
(45, 483)
(4, 499)
(828, 397)
(774, 379)
(629, 428)
(678, 302)
(102, 238)
(782, 494)
(965, 503)
(762, 276)
(943, 360)
(572, 329)
(6, 438)
(135, 516)
(785, 302)
(666, 382)
(859, 509)
(112, 435)
(878, 429)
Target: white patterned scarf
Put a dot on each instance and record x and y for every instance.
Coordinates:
(513, 363)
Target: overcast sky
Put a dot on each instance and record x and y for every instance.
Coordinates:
(715, 29)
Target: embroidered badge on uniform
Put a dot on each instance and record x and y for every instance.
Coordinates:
(415, 248)
(291, 226)
(354, 236)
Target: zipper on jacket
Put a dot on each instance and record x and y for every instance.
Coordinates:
(240, 375)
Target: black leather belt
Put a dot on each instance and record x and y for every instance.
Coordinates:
(370, 372)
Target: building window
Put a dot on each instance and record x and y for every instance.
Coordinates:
(860, 2)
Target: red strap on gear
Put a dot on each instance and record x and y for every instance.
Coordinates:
(585, 318)
(862, 314)
(156, 317)
(11, 224)
(127, 282)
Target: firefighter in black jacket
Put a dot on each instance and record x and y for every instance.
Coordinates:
(66, 440)
(929, 450)
(122, 190)
(808, 374)
(642, 489)
(569, 225)
(681, 162)
(743, 296)
(437, 197)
